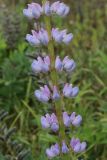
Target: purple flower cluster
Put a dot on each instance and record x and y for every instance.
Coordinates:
(44, 94)
(67, 64)
(55, 150)
(72, 119)
(75, 144)
(51, 92)
(35, 10)
(70, 91)
(50, 121)
(38, 38)
(41, 65)
(61, 36)
(41, 37)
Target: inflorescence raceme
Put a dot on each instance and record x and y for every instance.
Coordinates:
(47, 64)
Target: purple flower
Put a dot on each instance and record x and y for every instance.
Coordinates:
(41, 65)
(33, 39)
(76, 121)
(45, 123)
(56, 95)
(57, 35)
(38, 38)
(69, 64)
(72, 119)
(70, 91)
(77, 146)
(58, 64)
(34, 10)
(66, 119)
(67, 38)
(64, 148)
(54, 127)
(43, 94)
(47, 8)
(43, 36)
(53, 151)
(61, 36)
(60, 8)
(50, 121)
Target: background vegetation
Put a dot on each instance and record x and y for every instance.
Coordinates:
(21, 136)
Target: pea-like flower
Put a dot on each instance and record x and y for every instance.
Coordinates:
(60, 8)
(38, 38)
(61, 36)
(70, 91)
(34, 10)
(41, 65)
(50, 121)
(77, 146)
(58, 64)
(56, 94)
(44, 94)
(53, 151)
(65, 149)
(72, 119)
(47, 8)
(67, 64)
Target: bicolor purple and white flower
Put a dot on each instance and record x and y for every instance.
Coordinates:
(70, 91)
(65, 149)
(34, 10)
(41, 65)
(61, 36)
(53, 151)
(44, 94)
(60, 8)
(50, 121)
(67, 64)
(72, 119)
(77, 146)
(38, 38)
(56, 94)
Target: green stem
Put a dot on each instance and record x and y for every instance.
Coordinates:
(54, 78)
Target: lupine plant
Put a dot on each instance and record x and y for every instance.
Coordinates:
(53, 92)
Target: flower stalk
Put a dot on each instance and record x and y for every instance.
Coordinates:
(51, 93)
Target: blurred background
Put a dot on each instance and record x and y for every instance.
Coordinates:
(21, 135)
